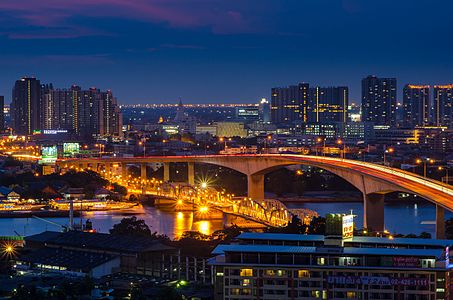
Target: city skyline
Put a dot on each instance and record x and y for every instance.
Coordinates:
(142, 49)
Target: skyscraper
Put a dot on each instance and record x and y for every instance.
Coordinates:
(443, 105)
(289, 104)
(2, 113)
(264, 109)
(328, 104)
(416, 105)
(379, 100)
(26, 105)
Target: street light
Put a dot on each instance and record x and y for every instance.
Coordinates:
(389, 150)
(440, 168)
(340, 142)
(319, 140)
(425, 162)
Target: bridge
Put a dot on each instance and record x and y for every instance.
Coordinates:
(374, 181)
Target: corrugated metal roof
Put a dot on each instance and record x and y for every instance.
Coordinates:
(326, 250)
(355, 239)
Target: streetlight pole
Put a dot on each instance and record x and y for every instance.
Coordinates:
(425, 162)
(440, 168)
(389, 150)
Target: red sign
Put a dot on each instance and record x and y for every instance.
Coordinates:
(406, 261)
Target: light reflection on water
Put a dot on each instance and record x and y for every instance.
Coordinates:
(399, 217)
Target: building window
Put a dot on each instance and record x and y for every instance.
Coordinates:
(303, 274)
(316, 294)
(351, 295)
(246, 272)
(321, 261)
(245, 282)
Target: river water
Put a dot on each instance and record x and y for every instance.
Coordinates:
(400, 217)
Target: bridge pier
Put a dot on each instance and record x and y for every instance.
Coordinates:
(373, 211)
(191, 173)
(143, 171)
(166, 172)
(255, 186)
(440, 222)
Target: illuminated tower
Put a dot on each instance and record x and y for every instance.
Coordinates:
(26, 106)
(379, 100)
(416, 105)
(289, 104)
(443, 105)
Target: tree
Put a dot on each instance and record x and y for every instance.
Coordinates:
(131, 226)
(317, 226)
(119, 189)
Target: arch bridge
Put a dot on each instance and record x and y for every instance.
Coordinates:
(373, 180)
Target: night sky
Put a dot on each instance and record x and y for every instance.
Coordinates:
(206, 51)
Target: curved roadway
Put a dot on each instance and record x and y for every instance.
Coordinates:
(432, 190)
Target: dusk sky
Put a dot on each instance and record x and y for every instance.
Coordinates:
(206, 51)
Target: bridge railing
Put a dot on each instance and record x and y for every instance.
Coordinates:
(445, 188)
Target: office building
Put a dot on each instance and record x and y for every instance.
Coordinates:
(248, 114)
(379, 100)
(264, 111)
(2, 113)
(416, 105)
(26, 106)
(328, 104)
(231, 129)
(289, 104)
(443, 105)
(296, 266)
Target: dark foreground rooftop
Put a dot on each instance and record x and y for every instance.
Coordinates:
(99, 241)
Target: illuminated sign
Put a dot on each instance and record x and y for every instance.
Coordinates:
(377, 280)
(405, 261)
(348, 226)
(49, 154)
(69, 149)
(54, 131)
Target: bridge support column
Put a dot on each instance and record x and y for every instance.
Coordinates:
(255, 186)
(191, 173)
(440, 222)
(166, 172)
(373, 212)
(143, 171)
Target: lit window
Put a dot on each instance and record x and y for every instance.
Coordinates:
(303, 274)
(246, 272)
(321, 261)
(351, 295)
(245, 282)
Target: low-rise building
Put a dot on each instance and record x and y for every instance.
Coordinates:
(290, 266)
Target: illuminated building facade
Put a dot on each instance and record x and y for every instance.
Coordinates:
(379, 100)
(26, 106)
(264, 111)
(295, 266)
(328, 104)
(443, 105)
(2, 113)
(289, 104)
(416, 105)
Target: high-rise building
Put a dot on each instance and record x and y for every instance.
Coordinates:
(379, 100)
(416, 105)
(2, 113)
(289, 104)
(264, 109)
(26, 105)
(443, 105)
(86, 113)
(328, 104)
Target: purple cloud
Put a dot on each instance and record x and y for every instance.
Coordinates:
(215, 14)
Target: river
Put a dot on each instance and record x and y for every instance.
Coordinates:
(400, 217)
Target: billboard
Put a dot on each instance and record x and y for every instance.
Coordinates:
(348, 226)
(49, 154)
(69, 149)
